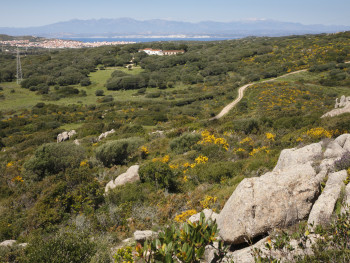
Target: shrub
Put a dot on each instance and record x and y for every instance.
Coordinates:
(108, 98)
(215, 172)
(158, 173)
(85, 82)
(99, 92)
(117, 152)
(187, 243)
(52, 158)
(60, 248)
(343, 162)
(134, 192)
(184, 142)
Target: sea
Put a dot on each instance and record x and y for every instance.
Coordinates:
(140, 40)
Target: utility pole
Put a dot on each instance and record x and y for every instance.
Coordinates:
(19, 67)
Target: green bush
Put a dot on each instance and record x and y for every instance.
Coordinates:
(184, 142)
(158, 173)
(99, 92)
(63, 247)
(215, 172)
(52, 158)
(117, 152)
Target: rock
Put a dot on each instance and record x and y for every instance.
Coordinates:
(334, 150)
(157, 133)
(76, 142)
(23, 244)
(342, 139)
(336, 112)
(110, 185)
(71, 133)
(130, 176)
(8, 243)
(294, 156)
(64, 136)
(274, 200)
(346, 145)
(105, 134)
(141, 236)
(346, 202)
(208, 214)
(324, 206)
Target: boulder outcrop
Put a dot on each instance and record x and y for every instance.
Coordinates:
(341, 107)
(293, 157)
(324, 206)
(64, 136)
(288, 194)
(105, 134)
(274, 200)
(130, 176)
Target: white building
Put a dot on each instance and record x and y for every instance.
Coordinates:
(160, 52)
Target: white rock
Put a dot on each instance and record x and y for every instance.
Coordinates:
(334, 150)
(104, 135)
(274, 200)
(130, 176)
(342, 139)
(323, 208)
(294, 156)
(8, 243)
(64, 136)
(208, 214)
(346, 201)
(141, 236)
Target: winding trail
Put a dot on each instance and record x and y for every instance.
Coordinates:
(241, 90)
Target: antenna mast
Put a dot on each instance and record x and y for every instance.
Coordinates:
(19, 67)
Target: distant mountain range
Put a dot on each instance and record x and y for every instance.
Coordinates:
(127, 27)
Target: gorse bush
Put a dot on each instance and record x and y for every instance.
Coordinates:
(119, 151)
(52, 158)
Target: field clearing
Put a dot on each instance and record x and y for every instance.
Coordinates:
(24, 98)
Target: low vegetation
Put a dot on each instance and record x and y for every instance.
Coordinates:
(52, 194)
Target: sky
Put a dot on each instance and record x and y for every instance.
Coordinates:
(26, 13)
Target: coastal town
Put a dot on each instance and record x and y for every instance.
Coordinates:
(59, 43)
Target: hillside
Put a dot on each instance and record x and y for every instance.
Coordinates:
(122, 27)
(158, 114)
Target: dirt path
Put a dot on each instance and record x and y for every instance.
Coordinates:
(241, 90)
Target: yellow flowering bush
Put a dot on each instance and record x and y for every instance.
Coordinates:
(318, 133)
(10, 164)
(164, 159)
(185, 215)
(258, 150)
(17, 179)
(201, 159)
(270, 136)
(144, 152)
(84, 163)
(208, 138)
(208, 201)
(247, 141)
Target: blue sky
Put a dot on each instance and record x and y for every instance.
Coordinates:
(24, 13)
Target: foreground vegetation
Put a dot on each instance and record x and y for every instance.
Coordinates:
(52, 194)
